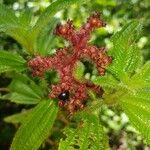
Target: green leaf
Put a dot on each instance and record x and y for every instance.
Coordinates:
(20, 98)
(47, 15)
(36, 127)
(106, 3)
(46, 41)
(21, 79)
(141, 78)
(107, 81)
(7, 16)
(10, 62)
(18, 118)
(51, 10)
(20, 34)
(125, 53)
(25, 18)
(24, 91)
(142, 93)
(79, 71)
(89, 135)
(20, 28)
(16, 27)
(138, 111)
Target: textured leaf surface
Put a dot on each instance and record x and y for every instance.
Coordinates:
(134, 92)
(36, 127)
(10, 62)
(25, 18)
(89, 135)
(133, 84)
(24, 91)
(143, 93)
(16, 27)
(47, 16)
(141, 78)
(126, 55)
(50, 11)
(137, 105)
(7, 16)
(138, 111)
(20, 27)
(106, 81)
(46, 41)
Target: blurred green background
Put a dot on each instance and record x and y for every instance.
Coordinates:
(116, 13)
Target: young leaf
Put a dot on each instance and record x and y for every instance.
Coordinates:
(36, 127)
(138, 111)
(126, 55)
(10, 62)
(89, 135)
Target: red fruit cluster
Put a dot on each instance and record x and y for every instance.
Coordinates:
(72, 94)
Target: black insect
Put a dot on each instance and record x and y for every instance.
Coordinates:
(64, 96)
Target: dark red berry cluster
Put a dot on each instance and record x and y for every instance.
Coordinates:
(72, 94)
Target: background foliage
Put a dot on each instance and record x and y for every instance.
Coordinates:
(117, 13)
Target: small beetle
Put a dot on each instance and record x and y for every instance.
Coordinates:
(64, 96)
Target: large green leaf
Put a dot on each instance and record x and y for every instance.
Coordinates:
(125, 53)
(137, 105)
(126, 60)
(10, 62)
(89, 135)
(133, 90)
(36, 127)
(138, 110)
